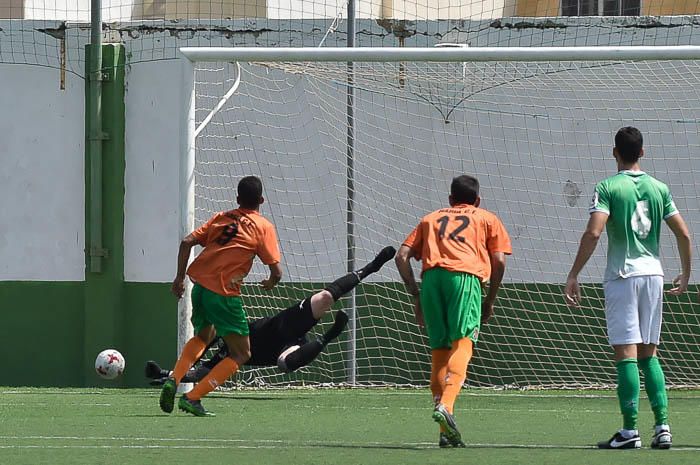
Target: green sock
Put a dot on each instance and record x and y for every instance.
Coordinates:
(628, 391)
(655, 385)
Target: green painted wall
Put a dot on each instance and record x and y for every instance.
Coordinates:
(104, 318)
(534, 339)
(150, 313)
(42, 333)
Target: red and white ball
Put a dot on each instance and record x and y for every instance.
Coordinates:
(109, 364)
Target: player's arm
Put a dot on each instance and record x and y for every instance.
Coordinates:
(274, 278)
(183, 256)
(588, 244)
(403, 264)
(498, 268)
(680, 230)
(269, 252)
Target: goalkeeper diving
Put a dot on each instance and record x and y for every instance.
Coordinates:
(281, 339)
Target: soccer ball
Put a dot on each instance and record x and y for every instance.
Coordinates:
(109, 364)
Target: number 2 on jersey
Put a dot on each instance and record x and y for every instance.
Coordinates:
(444, 221)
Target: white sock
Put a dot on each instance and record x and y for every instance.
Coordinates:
(659, 428)
(629, 433)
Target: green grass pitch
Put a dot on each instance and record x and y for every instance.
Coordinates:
(329, 426)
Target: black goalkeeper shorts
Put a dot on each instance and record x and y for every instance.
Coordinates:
(270, 336)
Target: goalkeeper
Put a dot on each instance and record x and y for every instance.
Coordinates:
(281, 339)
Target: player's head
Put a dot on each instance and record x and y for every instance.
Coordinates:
(628, 145)
(464, 189)
(250, 193)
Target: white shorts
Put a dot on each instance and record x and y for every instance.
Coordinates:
(633, 309)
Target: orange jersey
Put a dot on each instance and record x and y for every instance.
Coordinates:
(459, 238)
(231, 240)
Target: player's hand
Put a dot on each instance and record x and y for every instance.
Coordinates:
(572, 292)
(418, 313)
(178, 287)
(486, 311)
(268, 284)
(680, 285)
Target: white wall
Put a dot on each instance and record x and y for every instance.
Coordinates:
(42, 180)
(153, 107)
(123, 10)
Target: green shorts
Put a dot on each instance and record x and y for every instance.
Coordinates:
(224, 312)
(451, 303)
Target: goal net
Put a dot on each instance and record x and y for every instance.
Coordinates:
(344, 177)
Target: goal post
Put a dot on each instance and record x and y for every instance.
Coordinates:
(534, 124)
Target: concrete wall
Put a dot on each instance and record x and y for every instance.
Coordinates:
(42, 237)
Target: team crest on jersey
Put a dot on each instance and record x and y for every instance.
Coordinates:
(594, 200)
(475, 334)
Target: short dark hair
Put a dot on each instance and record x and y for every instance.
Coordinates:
(628, 142)
(464, 189)
(249, 192)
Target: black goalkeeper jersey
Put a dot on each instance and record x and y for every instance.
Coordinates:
(270, 336)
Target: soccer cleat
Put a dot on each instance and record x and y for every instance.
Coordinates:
(447, 421)
(443, 441)
(194, 407)
(167, 396)
(618, 441)
(154, 371)
(662, 438)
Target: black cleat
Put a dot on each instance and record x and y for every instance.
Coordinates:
(386, 254)
(194, 407)
(447, 421)
(618, 441)
(662, 439)
(153, 370)
(443, 443)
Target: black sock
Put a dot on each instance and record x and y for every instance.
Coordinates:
(386, 254)
(347, 283)
(303, 355)
(343, 285)
(341, 320)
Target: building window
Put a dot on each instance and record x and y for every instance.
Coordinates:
(601, 7)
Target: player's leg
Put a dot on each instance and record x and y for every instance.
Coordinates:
(463, 305)
(296, 357)
(434, 302)
(193, 349)
(650, 310)
(229, 319)
(322, 301)
(438, 373)
(622, 319)
(159, 375)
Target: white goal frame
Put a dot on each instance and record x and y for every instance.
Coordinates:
(350, 55)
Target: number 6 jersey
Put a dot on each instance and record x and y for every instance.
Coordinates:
(459, 238)
(636, 204)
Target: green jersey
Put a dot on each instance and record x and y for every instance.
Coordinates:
(636, 203)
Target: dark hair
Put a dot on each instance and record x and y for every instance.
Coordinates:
(628, 142)
(249, 192)
(464, 189)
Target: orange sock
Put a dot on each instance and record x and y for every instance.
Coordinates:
(460, 354)
(190, 353)
(437, 374)
(216, 377)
